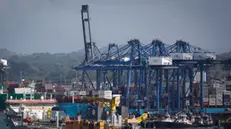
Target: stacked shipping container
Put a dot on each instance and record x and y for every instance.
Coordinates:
(219, 96)
(227, 98)
(206, 96)
(212, 100)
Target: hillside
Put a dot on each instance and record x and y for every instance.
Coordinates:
(44, 66)
(58, 67)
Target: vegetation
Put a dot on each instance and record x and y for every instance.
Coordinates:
(45, 66)
(58, 67)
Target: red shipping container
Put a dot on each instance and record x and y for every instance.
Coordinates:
(206, 103)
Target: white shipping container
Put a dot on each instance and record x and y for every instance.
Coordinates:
(219, 101)
(182, 56)
(227, 92)
(206, 99)
(4, 62)
(160, 60)
(212, 96)
(83, 93)
(107, 94)
(72, 93)
(22, 90)
(223, 86)
(216, 85)
(212, 101)
(219, 91)
(219, 96)
(94, 93)
(204, 56)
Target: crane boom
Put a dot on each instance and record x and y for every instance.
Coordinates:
(87, 33)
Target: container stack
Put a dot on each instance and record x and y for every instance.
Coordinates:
(204, 56)
(106, 94)
(219, 100)
(227, 98)
(160, 60)
(206, 96)
(181, 56)
(219, 96)
(212, 100)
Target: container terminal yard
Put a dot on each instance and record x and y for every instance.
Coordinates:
(138, 85)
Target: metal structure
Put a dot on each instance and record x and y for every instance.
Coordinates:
(3, 69)
(91, 51)
(129, 67)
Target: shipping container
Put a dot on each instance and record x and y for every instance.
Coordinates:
(226, 96)
(212, 101)
(206, 92)
(22, 90)
(212, 96)
(160, 60)
(219, 95)
(205, 103)
(227, 92)
(226, 103)
(212, 91)
(206, 96)
(181, 56)
(219, 102)
(205, 99)
(219, 90)
(219, 99)
(204, 56)
(206, 89)
(216, 85)
(227, 100)
(105, 94)
(83, 93)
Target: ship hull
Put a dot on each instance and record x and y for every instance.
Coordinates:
(172, 125)
(72, 109)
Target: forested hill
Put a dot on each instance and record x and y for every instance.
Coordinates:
(42, 65)
(56, 66)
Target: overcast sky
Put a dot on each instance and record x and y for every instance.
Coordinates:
(28, 26)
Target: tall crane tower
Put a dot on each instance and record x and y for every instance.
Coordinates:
(88, 44)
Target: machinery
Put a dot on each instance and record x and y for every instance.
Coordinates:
(3, 68)
(152, 76)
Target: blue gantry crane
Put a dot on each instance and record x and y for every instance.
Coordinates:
(189, 57)
(145, 67)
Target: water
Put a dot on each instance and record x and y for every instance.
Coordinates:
(2, 122)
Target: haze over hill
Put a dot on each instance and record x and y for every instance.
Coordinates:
(54, 67)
